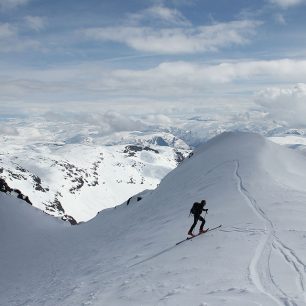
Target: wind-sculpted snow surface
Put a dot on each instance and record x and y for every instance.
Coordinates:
(127, 256)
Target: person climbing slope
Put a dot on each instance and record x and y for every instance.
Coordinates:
(196, 210)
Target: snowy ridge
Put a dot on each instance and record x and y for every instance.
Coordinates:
(128, 256)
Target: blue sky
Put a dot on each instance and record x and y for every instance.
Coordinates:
(102, 54)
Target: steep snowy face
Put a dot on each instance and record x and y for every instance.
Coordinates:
(75, 181)
(128, 255)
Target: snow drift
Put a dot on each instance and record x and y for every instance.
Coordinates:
(127, 255)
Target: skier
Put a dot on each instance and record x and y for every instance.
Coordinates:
(196, 210)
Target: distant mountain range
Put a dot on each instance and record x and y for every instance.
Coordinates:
(76, 178)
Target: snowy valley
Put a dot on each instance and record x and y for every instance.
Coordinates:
(128, 255)
(77, 177)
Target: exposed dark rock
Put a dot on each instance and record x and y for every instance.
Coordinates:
(128, 201)
(94, 183)
(132, 149)
(150, 149)
(131, 181)
(137, 199)
(4, 187)
(21, 169)
(80, 184)
(69, 219)
(16, 176)
(179, 157)
(55, 206)
(38, 185)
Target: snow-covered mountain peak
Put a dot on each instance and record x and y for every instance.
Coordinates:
(234, 142)
(144, 139)
(128, 255)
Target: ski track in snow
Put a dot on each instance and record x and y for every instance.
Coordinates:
(260, 273)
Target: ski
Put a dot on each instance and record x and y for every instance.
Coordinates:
(190, 238)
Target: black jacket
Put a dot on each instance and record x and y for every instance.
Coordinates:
(197, 208)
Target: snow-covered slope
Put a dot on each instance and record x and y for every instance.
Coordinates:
(76, 179)
(127, 255)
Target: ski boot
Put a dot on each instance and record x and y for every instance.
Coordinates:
(191, 234)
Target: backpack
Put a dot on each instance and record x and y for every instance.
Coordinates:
(194, 208)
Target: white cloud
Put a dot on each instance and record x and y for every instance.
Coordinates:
(171, 80)
(280, 19)
(181, 78)
(11, 4)
(159, 13)
(107, 122)
(115, 122)
(10, 40)
(169, 15)
(285, 104)
(287, 3)
(7, 31)
(35, 22)
(19, 46)
(178, 39)
(157, 119)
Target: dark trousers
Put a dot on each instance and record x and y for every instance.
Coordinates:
(196, 219)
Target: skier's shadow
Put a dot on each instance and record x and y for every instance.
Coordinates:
(170, 248)
(153, 256)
